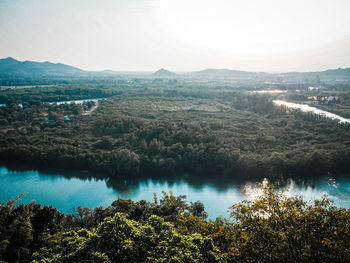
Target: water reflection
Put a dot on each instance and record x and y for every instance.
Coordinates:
(307, 108)
(254, 191)
(270, 91)
(338, 190)
(68, 189)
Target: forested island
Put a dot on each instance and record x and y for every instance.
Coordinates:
(168, 127)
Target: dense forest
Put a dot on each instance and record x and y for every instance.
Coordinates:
(167, 127)
(272, 228)
(53, 94)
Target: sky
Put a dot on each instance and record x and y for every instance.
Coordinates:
(180, 35)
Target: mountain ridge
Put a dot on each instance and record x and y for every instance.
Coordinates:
(10, 67)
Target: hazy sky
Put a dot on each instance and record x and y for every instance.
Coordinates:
(180, 35)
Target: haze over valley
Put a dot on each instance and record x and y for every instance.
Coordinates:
(174, 131)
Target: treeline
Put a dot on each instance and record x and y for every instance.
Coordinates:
(53, 94)
(132, 135)
(272, 228)
(84, 82)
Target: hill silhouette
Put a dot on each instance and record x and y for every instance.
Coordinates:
(12, 67)
(164, 73)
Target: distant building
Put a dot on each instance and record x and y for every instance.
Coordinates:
(328, 99)
(315, 88)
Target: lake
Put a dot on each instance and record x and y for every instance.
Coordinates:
(66, 190)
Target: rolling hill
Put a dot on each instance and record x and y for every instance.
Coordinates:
(12, 67)
(163, 73)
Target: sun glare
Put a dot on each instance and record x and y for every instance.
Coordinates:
(252, 27)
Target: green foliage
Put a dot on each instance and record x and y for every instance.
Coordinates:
(168, 132)
(271, 228)
(52, 93)
(277, 228)
(118, 239)
(170, 127)
(24, 228)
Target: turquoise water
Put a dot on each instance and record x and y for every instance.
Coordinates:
(67, 190)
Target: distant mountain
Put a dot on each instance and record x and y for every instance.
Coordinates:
(327, 75)
(163, 73)
(13, 67)
(10, 67)
(225, 74)
(340, 74)
(106, 72)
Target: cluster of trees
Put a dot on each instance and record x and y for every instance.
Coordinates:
(53, 94)
(272, 228)
(33, 115)
(125, 231)
(277, 228)
(85, 82)
(131, 135)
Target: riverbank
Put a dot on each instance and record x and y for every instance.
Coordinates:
(169, 221)
(92, 190)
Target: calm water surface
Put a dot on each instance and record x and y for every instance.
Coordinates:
(307, 108)
(66, 191)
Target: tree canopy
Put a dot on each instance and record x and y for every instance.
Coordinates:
(272, 228)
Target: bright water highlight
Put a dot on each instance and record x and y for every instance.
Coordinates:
(67, 190)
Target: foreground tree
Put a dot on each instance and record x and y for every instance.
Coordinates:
(271, 228)
(277, 228)
(118, 239)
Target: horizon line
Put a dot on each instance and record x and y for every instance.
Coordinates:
(181, 71)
